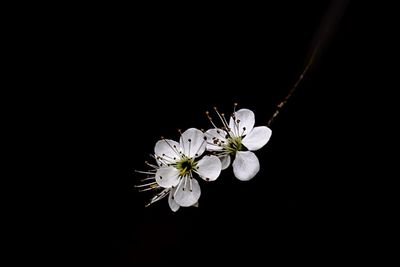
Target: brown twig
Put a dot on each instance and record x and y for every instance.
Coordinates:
(321, 38)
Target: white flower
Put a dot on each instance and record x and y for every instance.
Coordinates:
(238, 139)
(149, 183)
(178, 162)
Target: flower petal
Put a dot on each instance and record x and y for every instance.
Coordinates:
(171, 201)
(246, 121)
(246, 165)
(167, 177)
(193, 142)
(168, 150)
(215, 139)
(209, 168)
(257, 138)
(225, 162)
(187, 195)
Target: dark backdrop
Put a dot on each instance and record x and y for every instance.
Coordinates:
(150, 70)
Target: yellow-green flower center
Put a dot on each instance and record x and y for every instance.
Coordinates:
(185, 166)
(234, 145)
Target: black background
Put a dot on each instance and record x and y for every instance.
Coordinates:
(150, 70)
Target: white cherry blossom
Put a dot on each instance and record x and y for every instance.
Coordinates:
(238, 139)
(177, 166)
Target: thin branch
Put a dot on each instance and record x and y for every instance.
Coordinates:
(321, 38)
(295, 86)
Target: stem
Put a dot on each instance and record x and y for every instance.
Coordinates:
(291, 92)
(322, 36)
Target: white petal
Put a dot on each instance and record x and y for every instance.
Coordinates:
(167, 177)
(187, 196)
(168, 150)
(246, 121)
(209, 168)
(225, 162)
(171, 201)
(192, 142)
(215, 137)
(257, 138)
(246, 165)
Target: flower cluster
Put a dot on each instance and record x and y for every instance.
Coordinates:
(204, 155)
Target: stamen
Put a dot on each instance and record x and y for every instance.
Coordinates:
(169, 158)
(148, 172)
(181, 141)
(234, 107)
(146, 179)
(143, 185)
(221, 134)
(212, 143)
(161, 160)
(210, 119)
(198, 150)
(177, 187)
(158, 197)
(244, 129)
(165, 160)
(225, 121)
(191, 184)
(221, 117)
(236, 123)
(146, 189)
(184, 186)
(151, 165)
(190, 143)
(174, 148)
